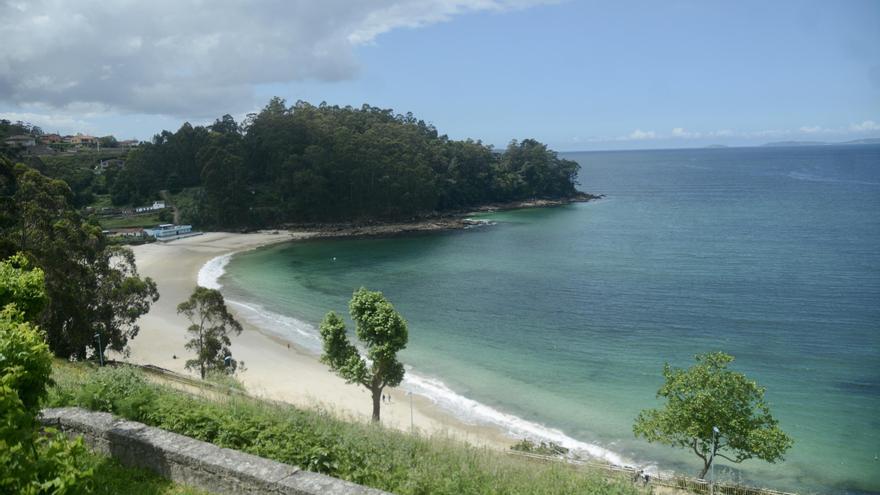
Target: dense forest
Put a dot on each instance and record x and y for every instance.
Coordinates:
(307, 163)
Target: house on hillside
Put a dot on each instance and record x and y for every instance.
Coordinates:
(83, 140)
(20, 141)
(51, 139)
(156, 206)
(129, 143)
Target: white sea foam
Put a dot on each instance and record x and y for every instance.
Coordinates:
(210, 273)
(297, 331)
(805, 176)
(467, 410)
(472, 411)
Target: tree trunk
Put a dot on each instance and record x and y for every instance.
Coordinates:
(706, 464)
(377, 393)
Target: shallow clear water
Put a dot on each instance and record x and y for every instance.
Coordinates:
(564, 316)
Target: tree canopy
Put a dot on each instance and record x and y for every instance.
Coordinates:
(305, 163)
(383, 333)
(707, 396)
(91, 287)
(209, 331)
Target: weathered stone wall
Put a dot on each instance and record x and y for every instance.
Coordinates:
(192, 462)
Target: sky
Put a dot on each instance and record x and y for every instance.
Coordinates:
(578, 75)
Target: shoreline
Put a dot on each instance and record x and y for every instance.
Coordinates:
(435, 408)
(455, 220)
(276, 368)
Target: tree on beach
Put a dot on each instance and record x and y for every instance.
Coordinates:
(383, 332)
(211, 325)
(715, 412)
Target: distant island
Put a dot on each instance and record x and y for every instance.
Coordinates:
(717, 146)
(821, 143)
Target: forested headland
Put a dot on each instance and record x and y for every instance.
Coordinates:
(306, 163)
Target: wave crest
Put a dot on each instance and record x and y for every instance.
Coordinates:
(210, 273)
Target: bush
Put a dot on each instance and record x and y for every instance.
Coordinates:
(120, 390)
(544, 448)
(31, 462)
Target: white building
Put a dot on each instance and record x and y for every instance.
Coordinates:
(169, 230)
(157, 205)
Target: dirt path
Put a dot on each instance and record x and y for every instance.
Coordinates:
(167, 198)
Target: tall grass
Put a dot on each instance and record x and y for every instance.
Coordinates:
(112, 478)
(318, 441)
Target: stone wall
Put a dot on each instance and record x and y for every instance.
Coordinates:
(192, 462)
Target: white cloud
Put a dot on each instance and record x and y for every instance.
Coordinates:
(680, 132)
(639, 134)
(49, 122)
(811, 129)
(721, 133)
(868, 125)
(190, 57)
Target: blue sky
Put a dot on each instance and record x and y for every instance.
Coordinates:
(577, 75)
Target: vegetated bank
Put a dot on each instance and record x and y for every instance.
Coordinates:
(319, 441)
(331, 164)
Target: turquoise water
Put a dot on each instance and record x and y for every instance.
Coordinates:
(564, 317)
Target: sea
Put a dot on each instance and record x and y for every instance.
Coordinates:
(554, 324)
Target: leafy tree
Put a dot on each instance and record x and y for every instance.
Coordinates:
(108, 142)
(211, 324)
(91, 287)
(120, 297)
(31, 462)
(223, 176)
(382, 331)
(707, 396)
(22, 286)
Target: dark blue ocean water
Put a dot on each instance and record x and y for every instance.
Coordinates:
(564, 317)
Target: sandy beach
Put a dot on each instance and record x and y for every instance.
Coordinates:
(276, 369)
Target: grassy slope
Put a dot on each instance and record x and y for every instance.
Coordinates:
(319, 441)
(111, 478)
(133, 221)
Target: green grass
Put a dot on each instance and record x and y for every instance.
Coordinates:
(133, 221)
(112, 478)
(101, 201)
(319, 441)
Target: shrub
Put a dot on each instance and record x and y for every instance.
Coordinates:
(31, 462)
(120, 390)
(544, 448)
